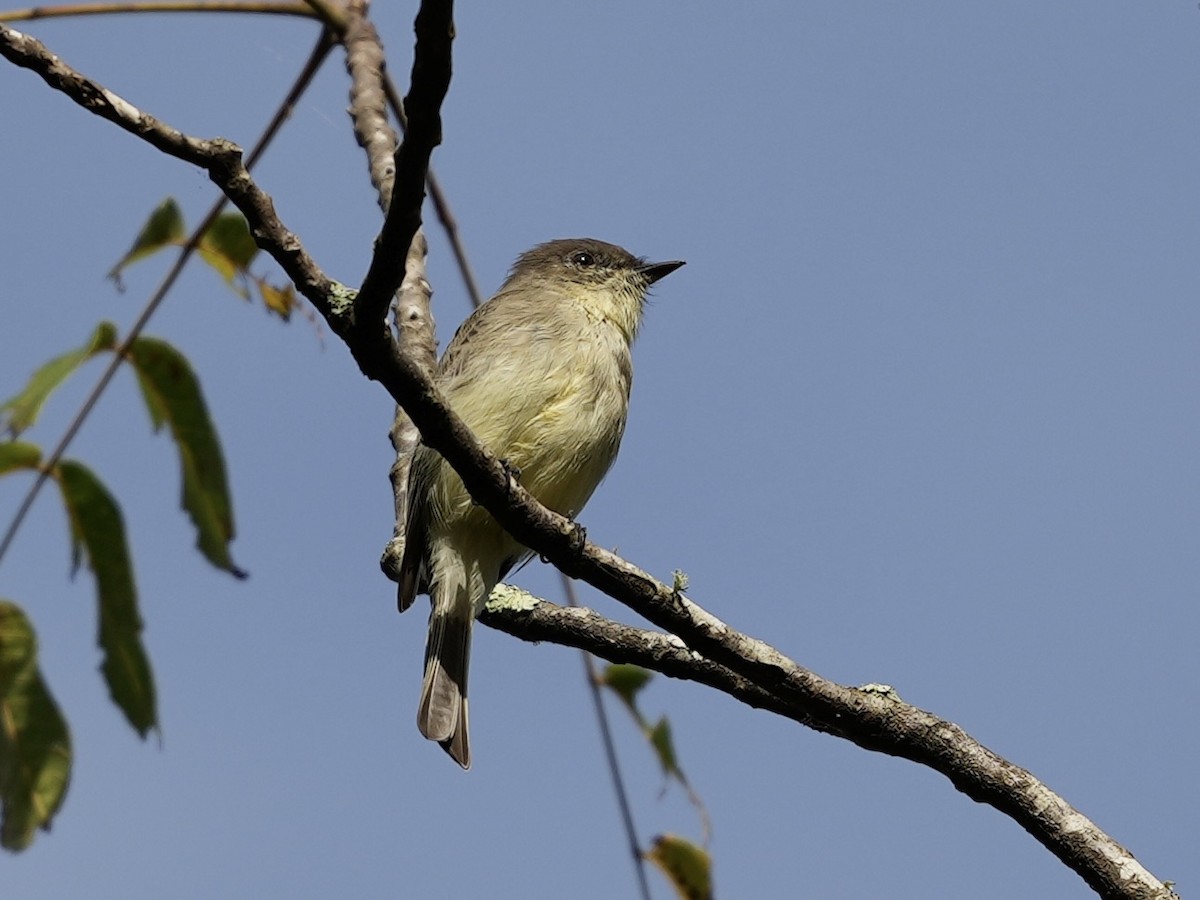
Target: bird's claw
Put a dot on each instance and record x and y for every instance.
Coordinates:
(513, 472)
(578, 539)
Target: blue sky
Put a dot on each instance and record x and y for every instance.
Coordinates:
(919, 410)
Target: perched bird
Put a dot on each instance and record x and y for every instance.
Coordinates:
(541, 374)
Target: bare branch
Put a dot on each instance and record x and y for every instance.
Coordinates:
(414, 323)
(430, 81)
(872, 716)
(331, 12)
(440, 205)
(158, 6)
(365, 62)
(522, 615)
(30, 53)
(415, 339)
(220, 158)
(399, 174)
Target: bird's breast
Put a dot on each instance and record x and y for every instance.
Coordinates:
(553, 406)
(567, 444)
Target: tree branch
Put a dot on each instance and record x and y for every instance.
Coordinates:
(365, 63)
(872, 718)
(414, 323)
(522, 615)
(158, 6)
(430, 82)
(222, 160)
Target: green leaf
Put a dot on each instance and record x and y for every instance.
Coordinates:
(20, 412)
(98, 530)
(164, 228)
(687, 866)
(35, 746)
(16, 455)
(626, 680)
(228, 246)
(173, 398)
(664, 748)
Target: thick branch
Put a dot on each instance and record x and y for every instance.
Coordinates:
(400, 249)
(874, 719)
(529, 618)
(414, 324)
(365, 62)
(220, 158)
(430, 81)
(872, 716)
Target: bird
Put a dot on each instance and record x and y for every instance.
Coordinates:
(541, 374)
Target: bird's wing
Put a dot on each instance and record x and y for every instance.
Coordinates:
(412, 565)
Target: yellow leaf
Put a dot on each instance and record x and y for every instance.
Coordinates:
(687, 866)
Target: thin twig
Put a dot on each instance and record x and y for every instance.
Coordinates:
(331, 12)
(158, 6)
(315, 59)
(592, 676)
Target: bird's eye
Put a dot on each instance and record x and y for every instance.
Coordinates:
(583, 258)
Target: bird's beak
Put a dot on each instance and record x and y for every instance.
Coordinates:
(654, 271)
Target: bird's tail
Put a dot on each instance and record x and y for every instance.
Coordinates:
(442, 714)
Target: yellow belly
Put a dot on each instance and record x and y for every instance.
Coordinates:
(561, 446)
